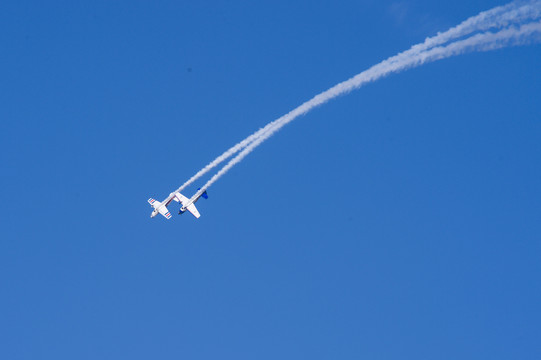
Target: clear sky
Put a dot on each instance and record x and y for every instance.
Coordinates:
(401, 221)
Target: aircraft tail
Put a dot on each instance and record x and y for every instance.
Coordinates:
(204, 195)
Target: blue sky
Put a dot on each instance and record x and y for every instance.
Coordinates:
(399, 221)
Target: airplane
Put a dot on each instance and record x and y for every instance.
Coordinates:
(187, 204)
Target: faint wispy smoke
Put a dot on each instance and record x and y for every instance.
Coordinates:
(398, 11)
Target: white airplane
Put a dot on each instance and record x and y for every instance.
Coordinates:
(187, 204)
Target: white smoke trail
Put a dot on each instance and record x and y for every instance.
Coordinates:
(497, 17)
(480, 42)
(428, 51)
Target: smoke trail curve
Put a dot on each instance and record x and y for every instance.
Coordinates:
(481, 42)
(419, 54)
(497, 17)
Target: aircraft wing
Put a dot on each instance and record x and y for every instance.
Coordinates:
(163, 210)
(181, 198)
(191, 208)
